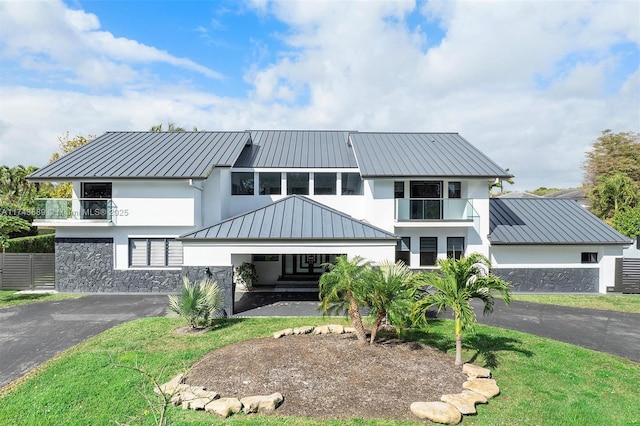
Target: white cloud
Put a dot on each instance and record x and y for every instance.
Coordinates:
(529, 83)
(47, 34)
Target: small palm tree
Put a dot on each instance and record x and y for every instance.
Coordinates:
(198, 303)
(457, 282)
(387, 291)
(338, 287)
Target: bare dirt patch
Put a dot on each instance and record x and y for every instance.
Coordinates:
(331, 376)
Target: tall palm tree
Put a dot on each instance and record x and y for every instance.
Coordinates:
(457, 282)
(387, 291)
(338, 290)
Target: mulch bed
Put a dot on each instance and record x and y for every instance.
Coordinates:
(331, 376)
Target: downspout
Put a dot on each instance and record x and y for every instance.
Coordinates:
(193, 184)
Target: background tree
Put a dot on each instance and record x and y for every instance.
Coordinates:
(613, 153)
(455, 285)
(16, 189)
(627, 221)
(171, 127)
(613, 193)
(66, 144)
(9, 225)
(499, 183)
(338, 290)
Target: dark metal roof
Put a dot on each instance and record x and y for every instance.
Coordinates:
(547, 221)
(148, 155)
(298, 149)
(292, 218)
(421, 154)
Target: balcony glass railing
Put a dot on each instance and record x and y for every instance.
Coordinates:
(408, 210)
(73, 209)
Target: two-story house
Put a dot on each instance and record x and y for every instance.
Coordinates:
(148, 207)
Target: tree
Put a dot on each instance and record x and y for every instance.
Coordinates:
(613, 153)
(8, 225)
(14, 186)
(338, 288)
(66, 145)
(627, 221)
(499, 183)
(387, 290)
(612, 194)
(198, 303)
(454, 286)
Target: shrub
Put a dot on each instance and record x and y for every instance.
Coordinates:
(198, 303)
(36, 244)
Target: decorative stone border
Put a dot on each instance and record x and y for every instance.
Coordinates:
(478, 389)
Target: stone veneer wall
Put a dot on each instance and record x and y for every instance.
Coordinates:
(85, 265)
(551, 280)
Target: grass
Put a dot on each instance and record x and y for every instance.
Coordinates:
(620, 303)
(542, 381)
(13, 298)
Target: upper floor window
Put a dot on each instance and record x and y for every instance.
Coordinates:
(425, 189)
(93, 205)
(352, 184)
(242, 183)
(589, 257)
(298, 183)
(270, 183)
(455, 247)
(155, 252)
(398, 189)
(96, 190)
(324, 183)
(455, 190)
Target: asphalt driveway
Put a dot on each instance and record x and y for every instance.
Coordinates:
(34, 333)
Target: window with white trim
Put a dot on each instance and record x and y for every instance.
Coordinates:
(428, 251)
(149, 252)
(352, 184)
(589, 257)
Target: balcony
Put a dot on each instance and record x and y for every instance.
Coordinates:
(435, 210)
(73, 211)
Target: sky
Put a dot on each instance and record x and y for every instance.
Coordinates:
(530, 83)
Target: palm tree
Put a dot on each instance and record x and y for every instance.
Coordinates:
(338, 288)
(198, 303)
(457, 282)
(387, 291)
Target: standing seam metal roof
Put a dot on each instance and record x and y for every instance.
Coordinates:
(148, 155)
(547, 221)
(292, 218)
(421, 154)
(298, 149)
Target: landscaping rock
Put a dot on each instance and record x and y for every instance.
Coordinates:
(349, 330)
(281, 333)
(465, 402)
(485, 387)
(261, 403)
(323, 329)
(303, 330)
(173, 386)
(474, 371)
(194, 398)
(224, 406)
(336, 328)
(439, 412)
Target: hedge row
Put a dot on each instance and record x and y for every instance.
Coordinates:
(37, 244)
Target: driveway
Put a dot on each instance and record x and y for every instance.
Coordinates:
(34, 333)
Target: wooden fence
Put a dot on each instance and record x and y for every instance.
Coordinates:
(27, 271)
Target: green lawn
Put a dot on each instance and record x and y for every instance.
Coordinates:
(621, 303)
(543, 382)
(13, 298)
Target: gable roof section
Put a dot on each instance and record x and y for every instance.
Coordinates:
(298, 149)
(171, 155)
(421, 154)
(547, 221)
(292, 218)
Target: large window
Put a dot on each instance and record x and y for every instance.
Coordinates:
(428, 251)
(95, 203)
(352, 184)
(147, 252)
(298, 183)
(426, 203)
(403, 250)
(455, 247)
(270, 183)
(242, 183)
(324, 183)
(425, 189)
